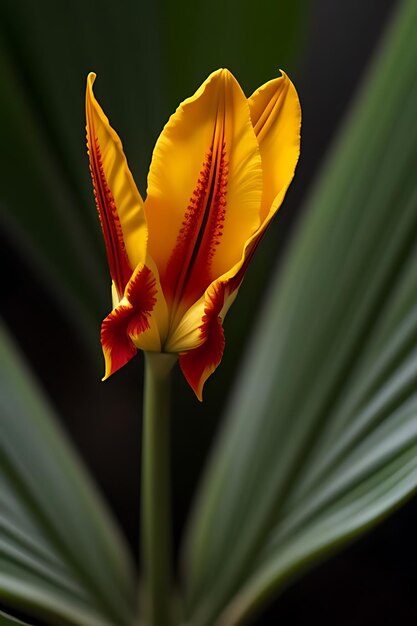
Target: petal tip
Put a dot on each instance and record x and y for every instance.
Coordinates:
(107, 367)
(198, 364)
(91, 77)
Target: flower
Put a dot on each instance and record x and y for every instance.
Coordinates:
(219, 173)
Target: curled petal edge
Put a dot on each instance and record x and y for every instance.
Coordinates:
(131, 318)
(198, 364)
(119, 203)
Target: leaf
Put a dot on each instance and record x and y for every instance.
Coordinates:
(8, 620)
(60, 553)
(320, 439)
(38, 209)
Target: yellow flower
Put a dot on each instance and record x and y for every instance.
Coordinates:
(219, 173)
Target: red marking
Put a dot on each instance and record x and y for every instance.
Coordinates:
(132, 318)
(211, 231)
(141, 293)
(119, 266)
(115, 340)
(188, 272)
(187, 236)
(198, 364)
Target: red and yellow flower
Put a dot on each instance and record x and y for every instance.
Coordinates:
(219, 173)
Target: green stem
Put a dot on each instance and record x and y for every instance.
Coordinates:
(156, 509)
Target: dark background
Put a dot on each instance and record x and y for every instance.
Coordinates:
(373, 582)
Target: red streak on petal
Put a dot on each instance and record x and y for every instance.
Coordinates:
(188, 272)
(128, 319)
(120, 269)
(173, 278)
(211, 231)
(198, 364)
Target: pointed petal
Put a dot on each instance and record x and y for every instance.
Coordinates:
(119, 203)
(117, 346)
(198, 364)
(204, 188)
(199, 336)
(129, 320)
(276, 117)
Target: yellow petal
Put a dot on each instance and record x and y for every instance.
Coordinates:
(108, 162)
(276, 117)
(199, 336)
(187, 334)
(204, 188)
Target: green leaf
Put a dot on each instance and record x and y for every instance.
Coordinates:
(8, 620)
(39, 208)
(60, 554)
(320, 440)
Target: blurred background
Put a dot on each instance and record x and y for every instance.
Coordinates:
(148, 57)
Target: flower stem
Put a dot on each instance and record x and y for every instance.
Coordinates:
(156, 509)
